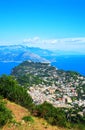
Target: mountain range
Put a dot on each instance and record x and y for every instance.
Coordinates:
(21, 53)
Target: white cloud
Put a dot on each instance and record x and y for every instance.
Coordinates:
(66, 44)
(62, 40)
(75, 40)
(36, 38)
(54, 44)
(27, 40)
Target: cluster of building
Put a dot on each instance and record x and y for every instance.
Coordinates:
(59, 97)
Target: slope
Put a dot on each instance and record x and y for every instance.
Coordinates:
(18, 124)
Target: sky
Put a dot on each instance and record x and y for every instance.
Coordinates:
(52, 24)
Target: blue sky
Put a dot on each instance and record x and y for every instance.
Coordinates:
(43, 21)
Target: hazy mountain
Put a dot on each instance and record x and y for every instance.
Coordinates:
(22, 53)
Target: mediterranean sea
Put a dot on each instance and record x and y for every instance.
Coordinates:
(6, 67)
(73, 63)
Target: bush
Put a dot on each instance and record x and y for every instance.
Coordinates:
(5, 114)
(9, 88)
(28, 118)
(54, 116)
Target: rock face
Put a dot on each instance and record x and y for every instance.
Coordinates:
(46, 83)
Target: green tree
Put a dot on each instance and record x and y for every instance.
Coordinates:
(9, 88)
(5, 114)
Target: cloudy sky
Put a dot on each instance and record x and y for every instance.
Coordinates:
(53, 24)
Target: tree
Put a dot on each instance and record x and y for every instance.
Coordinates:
(9, 88)
(5, 114)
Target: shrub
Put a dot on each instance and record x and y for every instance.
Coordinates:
(28, 118)
(5, 114)
(10, 89)
(54, 116)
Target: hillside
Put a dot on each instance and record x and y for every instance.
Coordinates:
(55, 86)
(42, 100)
(19, 112)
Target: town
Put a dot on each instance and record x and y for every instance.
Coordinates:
(46, 83)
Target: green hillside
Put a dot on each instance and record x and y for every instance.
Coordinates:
(55, 117)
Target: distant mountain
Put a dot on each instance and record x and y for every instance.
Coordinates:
(22, 53)
(19, 53)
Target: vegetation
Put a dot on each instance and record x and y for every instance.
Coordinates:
(64, 117)
(9, 88)
(29, 80)
(5, 114)
(34, 75)
(19, 124)
(28, 119)
(54, 116)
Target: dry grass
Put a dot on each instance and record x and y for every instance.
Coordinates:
(19, 112)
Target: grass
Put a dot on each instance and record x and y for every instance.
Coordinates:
(23, 120)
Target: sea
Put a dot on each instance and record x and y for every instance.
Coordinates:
(6, 67)
(72, 63)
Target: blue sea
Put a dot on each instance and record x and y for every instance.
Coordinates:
(6, 67)
(73, 63)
